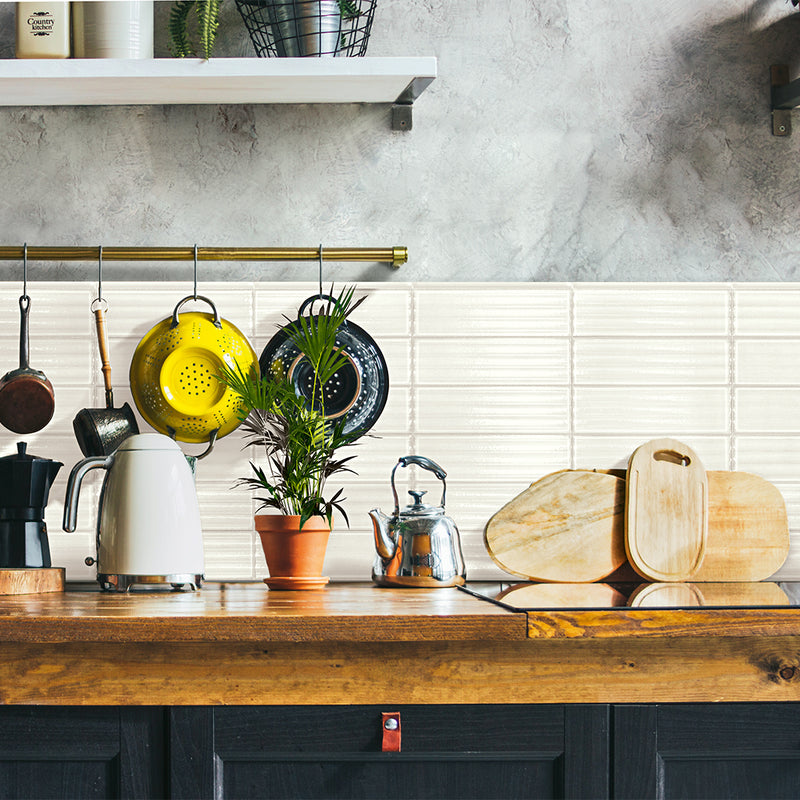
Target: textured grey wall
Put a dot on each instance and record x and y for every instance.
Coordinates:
(563, 140)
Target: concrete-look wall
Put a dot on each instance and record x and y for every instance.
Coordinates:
(563, 140)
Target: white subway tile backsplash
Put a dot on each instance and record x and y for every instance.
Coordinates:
(651, 412)
(650, 310)
(773, 411)
(767, 311)
(464, 409)
(500, 384)
(491, 310)
(619, 361)
(482, 361)
(774, 362)
(500, 458)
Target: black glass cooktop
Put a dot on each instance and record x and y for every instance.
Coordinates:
(573, 596)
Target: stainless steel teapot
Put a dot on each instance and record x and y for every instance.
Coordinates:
(418, 546)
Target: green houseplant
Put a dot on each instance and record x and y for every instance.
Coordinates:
(300, 448)
(207, 12)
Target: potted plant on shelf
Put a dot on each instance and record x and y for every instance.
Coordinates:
(300, 448)
(207, 23)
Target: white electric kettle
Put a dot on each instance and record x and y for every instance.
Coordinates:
(148, 523)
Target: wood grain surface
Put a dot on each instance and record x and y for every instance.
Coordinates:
(252, 613)
(567, 526)
(31, 581)
(666, 507)
(304, 673)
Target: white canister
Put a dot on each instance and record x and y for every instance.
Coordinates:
(42, 30)
(113, 29)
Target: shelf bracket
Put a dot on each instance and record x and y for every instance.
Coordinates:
(401, 110)
(785, 96)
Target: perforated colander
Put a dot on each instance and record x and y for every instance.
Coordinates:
(173, 374)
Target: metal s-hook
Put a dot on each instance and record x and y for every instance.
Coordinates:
(25, 270)
(99, 302)
(320, 269)
(194, 296)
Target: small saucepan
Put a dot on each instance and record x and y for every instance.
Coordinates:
(27, 400)
(100, 431)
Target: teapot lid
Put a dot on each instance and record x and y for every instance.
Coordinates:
(22, 455)
(420, 509)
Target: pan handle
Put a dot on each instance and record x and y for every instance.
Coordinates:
(174, 324)
(24, 345)
(102, 343)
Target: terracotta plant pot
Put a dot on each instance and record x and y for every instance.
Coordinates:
(294, 557)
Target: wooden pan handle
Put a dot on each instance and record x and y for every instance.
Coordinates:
(102, 343)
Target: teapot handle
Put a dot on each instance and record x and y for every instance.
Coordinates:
(425, 463)
(70, 521)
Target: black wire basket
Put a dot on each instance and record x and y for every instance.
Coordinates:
(292, 28)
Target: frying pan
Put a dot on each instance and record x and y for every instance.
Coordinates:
(100, 431)
(356, 393)
(173, 375)
(27, 400)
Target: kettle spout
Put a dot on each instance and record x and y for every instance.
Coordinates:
(384, 543)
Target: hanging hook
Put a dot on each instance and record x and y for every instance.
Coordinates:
(320, 269)
(195, 273)
(25, 270)
(99, 302)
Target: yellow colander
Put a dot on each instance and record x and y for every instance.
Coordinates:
(173, 374)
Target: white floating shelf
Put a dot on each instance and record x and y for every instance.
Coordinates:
(72, 82)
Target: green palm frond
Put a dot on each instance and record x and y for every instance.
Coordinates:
(208, 22)
(178, 17)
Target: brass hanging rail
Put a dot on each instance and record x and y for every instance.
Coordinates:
(394, 255)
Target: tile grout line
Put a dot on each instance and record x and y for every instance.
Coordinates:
(412, 373)
(571, 356)
(732, 454)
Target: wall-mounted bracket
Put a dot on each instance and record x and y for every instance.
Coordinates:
(785, 97)
(401, 110)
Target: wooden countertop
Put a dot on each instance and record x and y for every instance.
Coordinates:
(242, 612)
(359, 644)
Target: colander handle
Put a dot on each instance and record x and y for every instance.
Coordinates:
(212, 439)
(185, 300)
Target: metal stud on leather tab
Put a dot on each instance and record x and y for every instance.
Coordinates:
(390, 724)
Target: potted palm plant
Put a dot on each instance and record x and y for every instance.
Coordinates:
(300, 448)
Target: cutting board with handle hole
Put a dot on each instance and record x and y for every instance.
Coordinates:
(566, 527)
(666, 508)
(747, 539)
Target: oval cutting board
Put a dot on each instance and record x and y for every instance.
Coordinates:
(666, 510)
(567, 527)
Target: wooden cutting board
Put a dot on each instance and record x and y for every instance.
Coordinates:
(31, 581)
(666, 508)
(562, 595)
(567, 527)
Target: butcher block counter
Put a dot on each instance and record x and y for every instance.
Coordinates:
(242, 644)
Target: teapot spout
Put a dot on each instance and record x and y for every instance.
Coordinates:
(384, 543)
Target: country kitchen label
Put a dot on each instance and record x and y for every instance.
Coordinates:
(41, 23)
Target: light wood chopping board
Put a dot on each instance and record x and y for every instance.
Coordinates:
(747, 539)
(565, 528)
(563, 595)
(666, 508)
(22, 580)
(665, 595)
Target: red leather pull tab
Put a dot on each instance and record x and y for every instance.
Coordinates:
(390, 722)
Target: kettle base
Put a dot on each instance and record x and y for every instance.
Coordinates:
(417, 581)
(123, 583)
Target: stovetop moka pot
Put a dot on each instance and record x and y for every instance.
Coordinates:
(25, 482)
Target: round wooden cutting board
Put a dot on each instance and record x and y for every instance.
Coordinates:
(567, 527)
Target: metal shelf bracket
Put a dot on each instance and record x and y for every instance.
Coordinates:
(401, 110)
(785, 95)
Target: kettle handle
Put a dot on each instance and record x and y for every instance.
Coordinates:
(425, 463)
(74, 487)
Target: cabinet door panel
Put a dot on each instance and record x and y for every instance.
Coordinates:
(699, 750)
(335, 751)
(83, 752)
